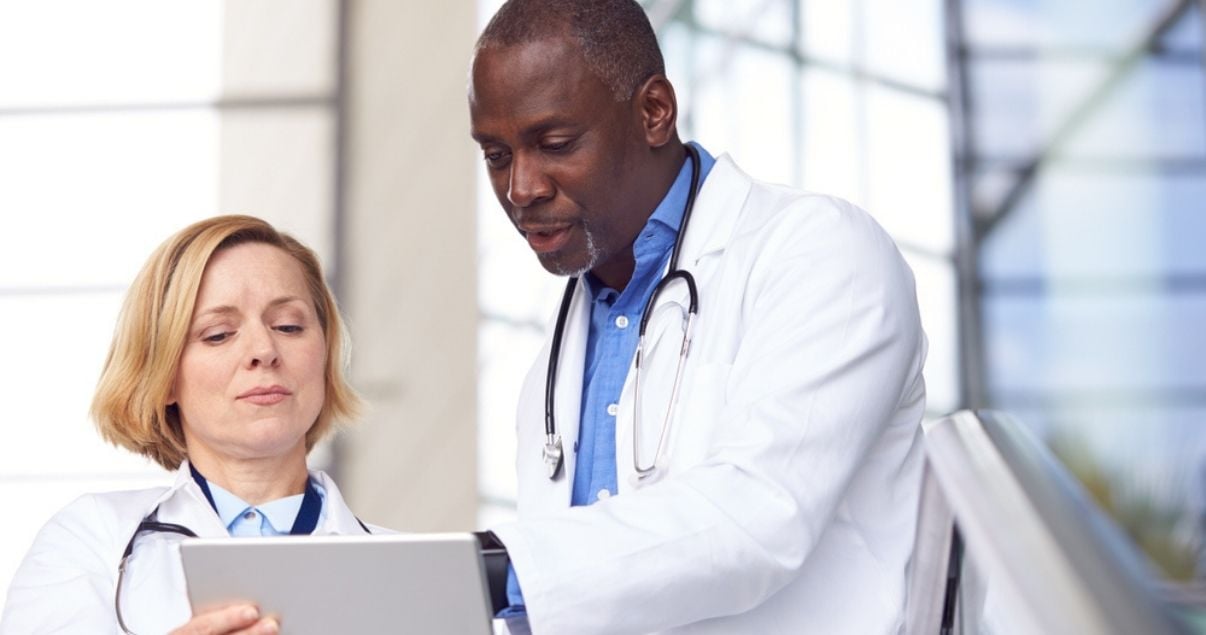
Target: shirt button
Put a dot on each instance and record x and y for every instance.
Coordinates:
(604, 494)
(249, 515)
(612, 409)
(622, 322)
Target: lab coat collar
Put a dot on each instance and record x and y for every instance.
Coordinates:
(721, 198)
(185, 504)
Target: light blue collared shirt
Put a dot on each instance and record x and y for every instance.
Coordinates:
(274, 518)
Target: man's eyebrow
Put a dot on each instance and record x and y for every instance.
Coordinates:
(481, 137)
(532, 130)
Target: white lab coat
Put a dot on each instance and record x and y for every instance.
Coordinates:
(67, 581)
(789, 501)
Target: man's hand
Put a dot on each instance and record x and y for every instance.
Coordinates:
(237, 619)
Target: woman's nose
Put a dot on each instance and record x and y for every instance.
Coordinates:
(262, 350)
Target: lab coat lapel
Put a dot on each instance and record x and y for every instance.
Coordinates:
(717, 207)
(567, 408)
(185, 504)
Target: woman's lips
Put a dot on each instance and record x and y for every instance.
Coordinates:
(548, 240)
(266, 399)
(265, 395)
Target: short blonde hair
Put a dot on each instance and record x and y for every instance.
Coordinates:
(130, 406)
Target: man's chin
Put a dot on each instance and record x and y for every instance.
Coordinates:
(559, 265)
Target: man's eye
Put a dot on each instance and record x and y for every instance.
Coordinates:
(496, 158)
(556, 146)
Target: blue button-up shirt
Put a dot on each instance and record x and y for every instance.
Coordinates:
(615, 318)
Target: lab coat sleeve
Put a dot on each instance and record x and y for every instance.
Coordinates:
(830, 344)
(65, 584)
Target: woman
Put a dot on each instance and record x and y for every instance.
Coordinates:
(226, 366)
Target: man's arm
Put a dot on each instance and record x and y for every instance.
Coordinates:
(831, 346)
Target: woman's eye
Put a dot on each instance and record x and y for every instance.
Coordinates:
(290, 328)
(216, 338)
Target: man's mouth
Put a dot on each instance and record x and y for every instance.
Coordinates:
(547, 239)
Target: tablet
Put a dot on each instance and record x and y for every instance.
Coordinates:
(417, 583)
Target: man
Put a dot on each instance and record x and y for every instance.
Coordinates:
(777, 492)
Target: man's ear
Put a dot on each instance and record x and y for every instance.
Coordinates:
(658, 108)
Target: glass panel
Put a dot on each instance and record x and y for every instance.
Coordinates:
(278, 165)
(511, 283)
(905, 41)
(1090, 347)
(830, 30)
(909, 168)
(1109, 24)
(51, 364)
(278, 47)
(505, 355)
(1186, 34)
(75, 184)
(65, 52)
(834, 134)
(987, 605)
(1156, 112)
(744, 106)
(1144, 468)
(936, 300)
(1017, 106)
(1096, 226)
(767, 21)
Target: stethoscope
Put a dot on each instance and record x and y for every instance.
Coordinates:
(552, 453)
(306, 522)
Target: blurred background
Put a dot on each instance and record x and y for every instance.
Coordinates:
(1040, 163)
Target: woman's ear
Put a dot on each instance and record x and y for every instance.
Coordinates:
(658, 109)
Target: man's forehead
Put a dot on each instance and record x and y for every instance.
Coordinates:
(554, 51)
(532, 81)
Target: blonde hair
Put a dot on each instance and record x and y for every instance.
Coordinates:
(130, 406)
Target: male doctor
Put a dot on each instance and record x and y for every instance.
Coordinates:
(777, 491)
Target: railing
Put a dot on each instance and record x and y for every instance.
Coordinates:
(1007, 542)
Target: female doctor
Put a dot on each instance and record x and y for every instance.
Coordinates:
(226, 366)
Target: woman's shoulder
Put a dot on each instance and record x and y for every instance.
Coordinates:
(103, 516)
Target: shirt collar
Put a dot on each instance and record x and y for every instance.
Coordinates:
(669, 213)
(281, 513)
(666, 217)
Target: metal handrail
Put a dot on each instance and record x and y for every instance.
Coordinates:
(1053, 561)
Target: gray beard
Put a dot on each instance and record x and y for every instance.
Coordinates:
(594, 254)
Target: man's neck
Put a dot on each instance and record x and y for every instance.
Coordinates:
(666, 164)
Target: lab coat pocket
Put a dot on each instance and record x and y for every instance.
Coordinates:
(700, 412)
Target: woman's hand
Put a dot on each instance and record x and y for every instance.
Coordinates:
(236, 619)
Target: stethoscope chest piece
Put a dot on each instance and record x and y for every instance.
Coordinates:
(553, 455)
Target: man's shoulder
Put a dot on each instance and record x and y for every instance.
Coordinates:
(774, 207)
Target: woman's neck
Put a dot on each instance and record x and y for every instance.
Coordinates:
(255, 481)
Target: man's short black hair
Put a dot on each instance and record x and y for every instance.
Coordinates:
(616, 38)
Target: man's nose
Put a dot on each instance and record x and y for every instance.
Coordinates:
(528, 183)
